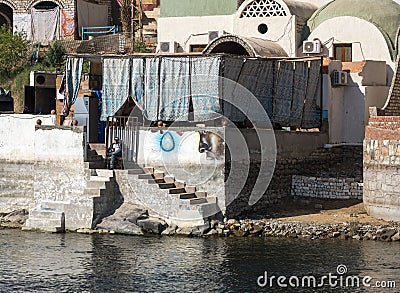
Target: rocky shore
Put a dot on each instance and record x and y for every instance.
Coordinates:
(133, 220)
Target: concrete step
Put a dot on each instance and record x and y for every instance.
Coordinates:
(96, 184)
(97, 146)
(104, 173)
(166, 185)
(45, 225)
(180, 184)
(55, 205)
(187, 195)
(176, 190)
(148, 170)
(198, 200)
(169, 179)
(201, 193)
(190, 189)
(145, 176)
(91, 192)
(158, 174)
(136, 171)
(50, 214)
(99, 178)
(155, 181)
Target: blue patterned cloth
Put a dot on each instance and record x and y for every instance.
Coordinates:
(115, 85)
(151, 90)
(283, 93)
(205, 87)
(73, 74)
(137, 79)
(299, 93)
(310, 118)
(174, 89)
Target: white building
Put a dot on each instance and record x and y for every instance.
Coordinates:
(349, 31)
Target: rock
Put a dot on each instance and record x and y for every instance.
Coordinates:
(239, 233)
(185, 231)
(170, 230)
(336, 234)
(19, 216)
(357, 237)
(256, 229)
(396, 237)
(212, 232)
(232, 221)
(152, 225)
(201, 230)
(120, 227)
(368, 235)
(214, 223)
(387, 234)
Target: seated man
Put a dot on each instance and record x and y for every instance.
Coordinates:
(115, 151)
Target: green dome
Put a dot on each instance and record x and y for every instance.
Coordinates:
(384, 14)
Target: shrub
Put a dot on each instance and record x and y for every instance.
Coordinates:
(55, 55)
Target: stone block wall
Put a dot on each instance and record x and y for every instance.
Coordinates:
(382, 167)
(326, 188)
(300, 154)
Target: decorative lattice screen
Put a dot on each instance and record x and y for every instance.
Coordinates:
(263, 8)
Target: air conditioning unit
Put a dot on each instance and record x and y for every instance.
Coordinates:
(339, 78)
(168, 47)
(312, 47)
(44, 79)
(212, 35)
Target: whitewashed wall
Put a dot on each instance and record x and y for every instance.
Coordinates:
(17, 135)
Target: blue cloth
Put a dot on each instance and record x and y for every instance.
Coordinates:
(115, 85)
(174, 89)
(283, 93)
(310, 117)
(205, 87)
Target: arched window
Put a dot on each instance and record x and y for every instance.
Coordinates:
(263, 8)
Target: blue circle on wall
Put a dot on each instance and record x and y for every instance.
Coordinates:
(167, 142)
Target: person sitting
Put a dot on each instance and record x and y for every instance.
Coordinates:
(115, 151)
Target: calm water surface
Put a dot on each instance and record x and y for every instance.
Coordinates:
(35, 262)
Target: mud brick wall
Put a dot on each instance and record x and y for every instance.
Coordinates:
(382, 167)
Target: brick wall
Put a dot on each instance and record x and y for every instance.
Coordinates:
(382, 167)
(393, 107)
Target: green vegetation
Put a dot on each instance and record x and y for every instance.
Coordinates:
(14, 51)
(141, 47)
(15, 64)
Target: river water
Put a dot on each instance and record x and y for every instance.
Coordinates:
(36, 262)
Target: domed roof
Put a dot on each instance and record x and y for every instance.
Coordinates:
(384, 14)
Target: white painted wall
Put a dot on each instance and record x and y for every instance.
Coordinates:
(368, 42)
(17, 135)
(349, 105)
(192, 29)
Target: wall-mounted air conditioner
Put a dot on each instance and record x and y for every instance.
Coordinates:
(212, 35)
(312, 47)
(339, 78)
(168, 47)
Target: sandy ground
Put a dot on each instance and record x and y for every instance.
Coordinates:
(324, 212)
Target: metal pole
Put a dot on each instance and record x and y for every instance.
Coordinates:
(140, 21)
(133, 2)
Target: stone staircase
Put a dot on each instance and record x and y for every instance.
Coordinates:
(85, 210)
(171, 199)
